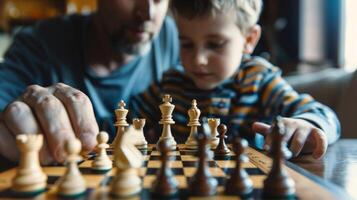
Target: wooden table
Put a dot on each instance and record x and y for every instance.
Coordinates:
(339, 165)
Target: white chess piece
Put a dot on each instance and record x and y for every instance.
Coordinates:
(141, 142)
(213, 123)
(121, 122)
(72, 183)
(194, 115)
(127, 161)
(102, 161)
(166, 120)
(29, 176)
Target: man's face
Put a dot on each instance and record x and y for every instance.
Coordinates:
(132, 24)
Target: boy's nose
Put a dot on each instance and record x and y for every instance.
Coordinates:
(200, 58)
(146, 9)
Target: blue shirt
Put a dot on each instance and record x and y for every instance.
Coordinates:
(53, 51)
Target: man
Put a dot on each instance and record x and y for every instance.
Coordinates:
(55, 73)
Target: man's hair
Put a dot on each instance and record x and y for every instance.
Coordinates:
(247, 11)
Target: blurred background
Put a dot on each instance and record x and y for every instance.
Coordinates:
(300, 36)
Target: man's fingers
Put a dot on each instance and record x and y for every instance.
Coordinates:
(7, 143)
(321, 143)
(80, 111)
(19, 119)
(264, 129)
(298, 140)
(53, 119)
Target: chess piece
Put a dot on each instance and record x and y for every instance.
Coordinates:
(121, 122)
(213, 124)
(102, 162)
(127, 160)
(194, 114)
(29, 179)
(222, 148)
(278, 184)
(202, 183)
(165, 184)
(239, 183)
(139, 124)
(72, 184)
(166, 120)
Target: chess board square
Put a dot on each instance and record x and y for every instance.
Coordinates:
(171, 153)
(171, 157)
(188, 158)
(232, 164)
(195, 163)
(153, 171)
(191, 153)
(171, 164)
(216, 172)
(250, 171)
(51, 180)
(148, 181)
(223, 157)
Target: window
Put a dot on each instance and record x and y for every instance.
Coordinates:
(349, 35)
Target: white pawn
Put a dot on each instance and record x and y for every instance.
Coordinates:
(141, 142)
(102, 162)
(72, 183)
(29, 178)
(213, 123)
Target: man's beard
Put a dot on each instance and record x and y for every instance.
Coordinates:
(120, 44)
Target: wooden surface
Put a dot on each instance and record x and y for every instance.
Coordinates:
(339, 166)
(184, 166)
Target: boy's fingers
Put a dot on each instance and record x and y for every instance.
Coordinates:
(81, 114)
(264, 129)
(321, 143)
(297, 142)
(261, 128)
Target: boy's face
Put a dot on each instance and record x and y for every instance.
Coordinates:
(211, 48)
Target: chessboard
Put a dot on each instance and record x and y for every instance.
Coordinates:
(183, 163)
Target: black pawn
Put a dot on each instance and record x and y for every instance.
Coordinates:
(202, 183)
(239, 183)
(278, 184)
(165, 184)
(222, 148)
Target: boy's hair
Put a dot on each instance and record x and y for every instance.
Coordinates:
(247, 11)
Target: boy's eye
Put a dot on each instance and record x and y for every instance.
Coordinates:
(216, 45)
(186, 45)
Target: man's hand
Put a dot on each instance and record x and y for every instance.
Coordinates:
(300, 134)
(59, 112)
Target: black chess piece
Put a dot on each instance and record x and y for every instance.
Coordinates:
(239, 183)
(222, 148)
(278, 184)
(202, 183)
(165, 184)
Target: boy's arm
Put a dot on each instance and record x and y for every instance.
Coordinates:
(310, 125)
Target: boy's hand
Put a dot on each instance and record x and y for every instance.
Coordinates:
(300, 134)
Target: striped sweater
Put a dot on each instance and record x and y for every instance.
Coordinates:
(256, 92)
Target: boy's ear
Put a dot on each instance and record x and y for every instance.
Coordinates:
(252, 38)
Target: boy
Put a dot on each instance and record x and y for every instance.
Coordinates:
(245, 92)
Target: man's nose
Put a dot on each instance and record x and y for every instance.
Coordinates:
(146, 9)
